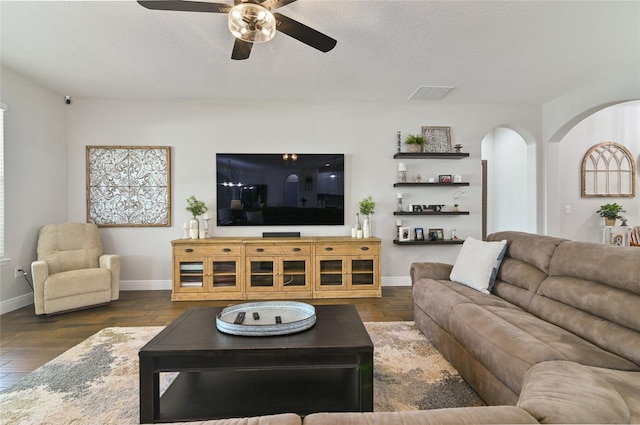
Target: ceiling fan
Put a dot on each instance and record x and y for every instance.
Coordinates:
(251, 21)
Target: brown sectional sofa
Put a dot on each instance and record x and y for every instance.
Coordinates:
(557, 340)
(560, 331)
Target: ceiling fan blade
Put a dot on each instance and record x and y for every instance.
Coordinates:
(303, 33)
(185, 6)
(274, 4)
(241, 49)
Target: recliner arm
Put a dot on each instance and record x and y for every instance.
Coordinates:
(112, 262)
(437, 271)
(40, 272)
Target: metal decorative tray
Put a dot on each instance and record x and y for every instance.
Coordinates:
(266, 318)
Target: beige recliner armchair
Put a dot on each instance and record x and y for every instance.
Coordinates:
(71, 273)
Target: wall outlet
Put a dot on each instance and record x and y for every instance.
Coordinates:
(18, 271)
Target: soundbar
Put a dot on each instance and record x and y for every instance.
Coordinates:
(280, 234)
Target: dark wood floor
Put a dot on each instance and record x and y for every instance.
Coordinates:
(28, 341)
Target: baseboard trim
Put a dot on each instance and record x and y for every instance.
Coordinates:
(16, 303)
(395, 281)
(145, 285)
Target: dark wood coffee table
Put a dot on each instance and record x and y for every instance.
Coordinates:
(327, 368)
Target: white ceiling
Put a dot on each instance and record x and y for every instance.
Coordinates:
(525, 52)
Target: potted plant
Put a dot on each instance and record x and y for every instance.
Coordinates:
(610, 212)
(196, 208)
(367, 207)
(415, 143)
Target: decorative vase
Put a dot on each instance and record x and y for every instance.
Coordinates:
(609, 221)
(194, 228)
(414, 148)
(366, 227)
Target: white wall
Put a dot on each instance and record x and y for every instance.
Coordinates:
(35, 176)
(619, 123)
(365, 132)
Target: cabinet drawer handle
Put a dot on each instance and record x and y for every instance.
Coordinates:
(226, 249)
(364, 248)
(328, 248)
(188, 250)
(259, 249)
(296, 249)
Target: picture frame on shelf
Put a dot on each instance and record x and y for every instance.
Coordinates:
(438, 139)
(419, 233)
(404, 234)
(439, 234)
(444, 178)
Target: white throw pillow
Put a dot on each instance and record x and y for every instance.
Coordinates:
(477, 264)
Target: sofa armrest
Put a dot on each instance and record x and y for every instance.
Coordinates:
(112, 262)
(437, 271)
(39, 272)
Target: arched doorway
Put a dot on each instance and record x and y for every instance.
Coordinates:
(509, 182)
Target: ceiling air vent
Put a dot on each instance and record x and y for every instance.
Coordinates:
(430, 92)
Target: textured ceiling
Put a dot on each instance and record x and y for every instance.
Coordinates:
(526, 52)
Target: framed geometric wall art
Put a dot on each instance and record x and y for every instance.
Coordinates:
(129, 186)
(608, 171)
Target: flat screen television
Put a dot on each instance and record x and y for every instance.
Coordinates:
(279, 189)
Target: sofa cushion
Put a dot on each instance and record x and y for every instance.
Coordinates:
(456, 416)
(509, 341)
(77, 282)
(477, 264)
(282, 419)
(605, 316)
(561, 392)
(536, 250)
(69, 246)
(437, 298)
(627, 384)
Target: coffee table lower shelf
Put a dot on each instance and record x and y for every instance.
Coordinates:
(228, 394)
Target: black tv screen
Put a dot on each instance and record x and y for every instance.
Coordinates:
(279, 189)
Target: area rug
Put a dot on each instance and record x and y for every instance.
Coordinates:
(96, 382)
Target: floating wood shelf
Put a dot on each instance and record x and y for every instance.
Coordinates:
(433, 155)
(428, 242)
(431, 213)
(430, 184)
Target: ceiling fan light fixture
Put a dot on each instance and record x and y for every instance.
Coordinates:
(252, 23)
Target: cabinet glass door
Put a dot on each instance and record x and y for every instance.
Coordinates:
(362, 272)
(294, 274)
(261, 273)
(191, 274)
(331, 272)
(225, 274)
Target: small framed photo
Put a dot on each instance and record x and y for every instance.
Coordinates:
(419, 232)
(417, 208)
(404, 234)
(436, 234)
(445, 178)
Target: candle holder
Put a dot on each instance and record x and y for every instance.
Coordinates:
(399, 205)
